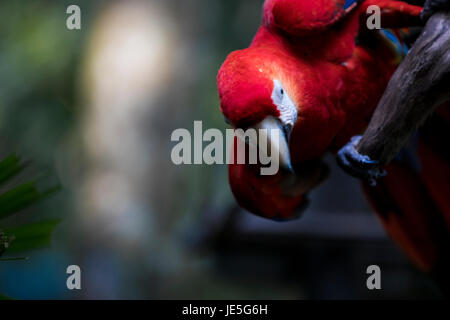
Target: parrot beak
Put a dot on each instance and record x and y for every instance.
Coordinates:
(276, 143)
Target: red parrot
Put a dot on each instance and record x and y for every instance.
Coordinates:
(316, 72)
(314, 69)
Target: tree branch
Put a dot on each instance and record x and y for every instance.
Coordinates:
(419, 85)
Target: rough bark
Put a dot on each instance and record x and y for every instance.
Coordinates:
(420, 84)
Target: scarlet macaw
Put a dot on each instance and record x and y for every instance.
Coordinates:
(316, 72)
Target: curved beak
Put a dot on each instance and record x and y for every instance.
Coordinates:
(277, 141)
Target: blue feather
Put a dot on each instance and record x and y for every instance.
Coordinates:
(402, 49)
(348, 3)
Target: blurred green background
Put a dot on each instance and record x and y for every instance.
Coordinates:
(93, 110)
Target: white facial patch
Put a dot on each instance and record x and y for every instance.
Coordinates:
(287, 108)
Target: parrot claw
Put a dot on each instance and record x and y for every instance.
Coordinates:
(359, 165)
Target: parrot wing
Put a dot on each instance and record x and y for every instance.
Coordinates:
(413, 200)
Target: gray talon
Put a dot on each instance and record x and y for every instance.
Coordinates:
(359, 165)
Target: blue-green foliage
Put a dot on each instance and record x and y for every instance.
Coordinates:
(12, 201)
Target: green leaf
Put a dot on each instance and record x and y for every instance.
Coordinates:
(21, 197)
(31, 236)
(9, 167)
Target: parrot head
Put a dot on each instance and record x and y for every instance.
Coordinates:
(254, 94)
(265, 88)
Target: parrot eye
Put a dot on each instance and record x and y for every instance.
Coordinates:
(281, 91)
